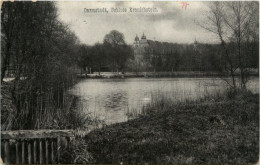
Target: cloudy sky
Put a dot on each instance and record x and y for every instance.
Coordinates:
(172, 22)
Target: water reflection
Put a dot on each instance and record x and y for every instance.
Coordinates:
(115, 100)
(111, 98)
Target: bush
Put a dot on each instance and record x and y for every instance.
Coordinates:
(76, 153)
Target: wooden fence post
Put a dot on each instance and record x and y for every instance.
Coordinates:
(58, 148)
(52, 151)
(6, 151)
(29, 153)
(41, 156)
(23, 153)
(17, 151)
(46, 151)
(34, 151)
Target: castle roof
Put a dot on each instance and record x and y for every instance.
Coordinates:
(144, 37)
(136, 38)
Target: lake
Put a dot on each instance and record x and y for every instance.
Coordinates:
(110, 99)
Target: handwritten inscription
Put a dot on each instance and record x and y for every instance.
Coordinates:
(184, 5)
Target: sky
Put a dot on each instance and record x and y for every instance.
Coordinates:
(170, 22)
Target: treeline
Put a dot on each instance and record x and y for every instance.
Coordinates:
(112, 55)
(161, 56)
(39, 51)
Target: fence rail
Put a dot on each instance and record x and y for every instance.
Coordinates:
(33, 146)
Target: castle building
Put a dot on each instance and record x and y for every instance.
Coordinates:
(140, 46)
(150, 54)
(141, 43)
(145, 50)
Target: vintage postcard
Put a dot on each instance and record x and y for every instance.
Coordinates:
(130, 82)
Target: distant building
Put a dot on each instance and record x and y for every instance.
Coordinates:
(145, 49)
(140, 46)
(141, 43)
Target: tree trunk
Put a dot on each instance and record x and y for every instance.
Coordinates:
(5, 61)
(229, 61)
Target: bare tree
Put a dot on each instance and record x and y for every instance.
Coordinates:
(235, 24)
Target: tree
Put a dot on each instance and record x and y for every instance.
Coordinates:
(98, 52)
(42, 49)
(156, 61)
(85, 57)
(124, 52)
(9, 16)
(114, 42)
(236, 25)
(114, 38)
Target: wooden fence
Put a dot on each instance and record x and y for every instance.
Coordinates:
(33, 146)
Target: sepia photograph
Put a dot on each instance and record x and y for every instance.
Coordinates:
(129, 82)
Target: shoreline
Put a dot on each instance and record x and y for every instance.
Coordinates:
(107, 75)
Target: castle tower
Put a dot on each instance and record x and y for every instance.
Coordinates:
(143, 41)
(144, 37)
(136, 42)
(136, 38)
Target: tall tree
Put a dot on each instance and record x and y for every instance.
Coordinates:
(114, 38)
(42, 49)
(99, 56)
(85, 57)
(9, 16)
(124, 52)
(235, 24)
(113, 41)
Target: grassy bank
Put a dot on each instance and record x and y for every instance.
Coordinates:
(222, 129)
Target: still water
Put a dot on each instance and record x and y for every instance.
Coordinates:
(110, 99)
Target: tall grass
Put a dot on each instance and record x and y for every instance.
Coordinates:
(45, 104)
(49, 107)
(161, 102)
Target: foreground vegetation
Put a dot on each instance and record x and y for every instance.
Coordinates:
(41, 60)
(223, 129)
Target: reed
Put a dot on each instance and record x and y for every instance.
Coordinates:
(161, 102)
(49, 105)
(45, 104)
